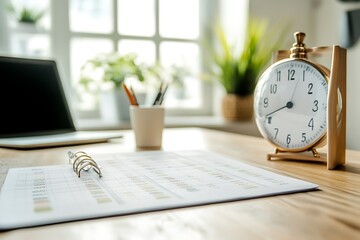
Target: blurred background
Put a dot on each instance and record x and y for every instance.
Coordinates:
(150, 44)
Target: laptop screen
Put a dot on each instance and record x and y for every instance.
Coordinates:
(32, 100)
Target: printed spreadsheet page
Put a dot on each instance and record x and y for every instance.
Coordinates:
(133, 183)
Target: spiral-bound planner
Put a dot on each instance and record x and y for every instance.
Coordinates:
(131, 183)
(81, 161)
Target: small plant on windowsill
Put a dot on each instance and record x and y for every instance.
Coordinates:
(109, 71)
(238, 72)
(26, 15)
(105, 74)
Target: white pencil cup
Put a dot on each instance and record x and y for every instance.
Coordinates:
(148, 124)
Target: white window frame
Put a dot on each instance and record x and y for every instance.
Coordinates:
(61, 37)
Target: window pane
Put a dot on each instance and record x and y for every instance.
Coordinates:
(83, 49)
(145, 50)
(179, 18)
(136, 17)
(187, 92)
(94, 16)
(31, 45)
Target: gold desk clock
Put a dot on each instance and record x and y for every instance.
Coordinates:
(300, 105)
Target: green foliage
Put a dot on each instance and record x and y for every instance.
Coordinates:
(109, 71)
(26, 14)
(238, 73)
(111, 68)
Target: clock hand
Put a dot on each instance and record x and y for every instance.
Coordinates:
(288, 105)
(292, 96)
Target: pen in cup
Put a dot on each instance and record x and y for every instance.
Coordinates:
(163, 94)
(160, 95)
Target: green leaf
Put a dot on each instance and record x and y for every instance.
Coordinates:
(115, 68)
(26, 14)
(238, 73)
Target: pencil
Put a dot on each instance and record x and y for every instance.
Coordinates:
(133, 93)
(163, 94)
(158, 95)
(130, 96)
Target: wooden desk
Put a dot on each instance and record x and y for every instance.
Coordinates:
(333, 212)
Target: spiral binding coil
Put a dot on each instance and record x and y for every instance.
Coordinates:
(81, 161)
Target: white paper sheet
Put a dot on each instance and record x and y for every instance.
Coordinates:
(132, 183)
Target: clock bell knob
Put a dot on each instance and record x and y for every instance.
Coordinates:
(298, 49)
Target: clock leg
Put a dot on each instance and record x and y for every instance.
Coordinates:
(313, 156)
(315, 153)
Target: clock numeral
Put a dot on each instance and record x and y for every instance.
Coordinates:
(276, 132)
(315, 108)
(278, 76)
(304, 76)
(269, 120)
(288, 138)
(303, 137)
(266, 102)
(310, 87)
(273, 88)
(291, 74)
(311, 124)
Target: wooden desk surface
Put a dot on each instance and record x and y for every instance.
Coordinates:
(333, 212)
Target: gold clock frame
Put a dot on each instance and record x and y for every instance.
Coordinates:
(336, 120)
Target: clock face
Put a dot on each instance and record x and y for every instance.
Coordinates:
(290, 104)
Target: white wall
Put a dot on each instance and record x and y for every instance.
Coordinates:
(321, 21)
(233, 16)
(292, 14)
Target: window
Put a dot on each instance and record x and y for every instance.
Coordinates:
(27, 39)
(156, 30)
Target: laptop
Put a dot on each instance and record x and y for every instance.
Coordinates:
(34, 110)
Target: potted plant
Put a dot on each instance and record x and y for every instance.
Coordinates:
(105, 74)
(110, 71)
(26, 17)
(238, 72)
